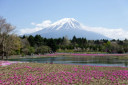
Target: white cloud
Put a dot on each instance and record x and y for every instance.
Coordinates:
(38, 27)
(44, 24)
(29, 30)
(111, 33)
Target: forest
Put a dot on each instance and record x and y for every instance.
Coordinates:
(42, 45)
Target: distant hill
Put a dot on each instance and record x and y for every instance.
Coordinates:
(68, 27)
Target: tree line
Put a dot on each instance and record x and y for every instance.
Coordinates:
(11, 44)
(78, 44)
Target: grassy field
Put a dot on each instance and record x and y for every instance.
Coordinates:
(61, 74)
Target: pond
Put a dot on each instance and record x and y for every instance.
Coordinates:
(77, 60)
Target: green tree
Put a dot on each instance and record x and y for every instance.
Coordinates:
(31, 40)
(5, 37)
(38, 40)
(25, 46)
(66, 41)
(12, 44)
(43, 49)
(52, 44)
(74, 39)
(31, 50)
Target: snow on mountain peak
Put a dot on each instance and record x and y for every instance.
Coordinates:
(66, 23)
(65, 20)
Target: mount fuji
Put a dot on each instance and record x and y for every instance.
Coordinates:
(68, 27)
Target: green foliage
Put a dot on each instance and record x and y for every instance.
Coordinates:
(43, 49)
(31, 50)
(17, 52)
(66, 50)
(38, 40)
(66, 41)
(52, 44)
(74, 45)
(31, 40)
(25, 50)
(22, 54)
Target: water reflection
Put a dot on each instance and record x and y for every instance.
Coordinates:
(92, 60)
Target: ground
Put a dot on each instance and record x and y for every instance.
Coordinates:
(62, 74)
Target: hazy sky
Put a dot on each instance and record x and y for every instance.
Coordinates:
(111, 14)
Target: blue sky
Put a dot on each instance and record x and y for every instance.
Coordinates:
(111, 14)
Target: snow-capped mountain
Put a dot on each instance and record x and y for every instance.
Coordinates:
(67, 27)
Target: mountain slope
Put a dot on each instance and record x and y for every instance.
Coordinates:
(68, 27)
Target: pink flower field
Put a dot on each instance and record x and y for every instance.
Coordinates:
(6, 63)
(62, 74)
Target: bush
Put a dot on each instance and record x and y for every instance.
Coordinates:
(43, 49)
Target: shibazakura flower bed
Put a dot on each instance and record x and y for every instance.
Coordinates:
(62, 74)
(6, 63)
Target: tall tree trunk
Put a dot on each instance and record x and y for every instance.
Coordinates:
(3, 50)
(6, 56)
(2, 57)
